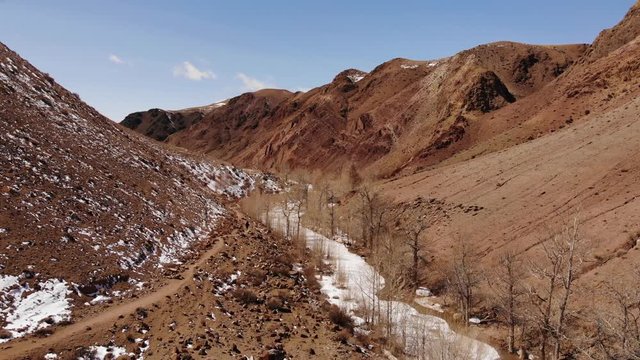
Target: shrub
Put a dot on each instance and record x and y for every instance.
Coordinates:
(275, 303)
(340, 317)
(363, 338)
(245, 296)
(255, 276)
(43, 332)
(310, 277)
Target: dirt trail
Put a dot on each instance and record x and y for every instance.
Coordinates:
(22, 348)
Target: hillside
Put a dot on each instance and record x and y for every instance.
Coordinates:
(579, 160)
(377, 119)
(103, 229)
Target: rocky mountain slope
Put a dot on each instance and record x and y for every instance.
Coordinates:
(158, 124)
(94, 216)
(568, 151)
(401, 111)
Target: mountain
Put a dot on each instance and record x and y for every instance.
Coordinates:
(568, 151)
(158, 124)
(112, 243)
(403, 111)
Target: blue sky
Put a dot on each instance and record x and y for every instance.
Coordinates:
(124, 56)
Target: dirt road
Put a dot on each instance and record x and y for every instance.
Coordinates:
(22, 348)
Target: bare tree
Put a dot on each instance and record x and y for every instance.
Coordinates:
(412, 239)
(394, 274)
(506, 283)
(464, 277)
(287, 211)
(617, 325)
(550, 300)
(373, 212)
(332, 202)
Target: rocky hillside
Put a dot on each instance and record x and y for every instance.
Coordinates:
(88, 203)
(158, 124)
(400, 111)
(568, 151)
(98, 222)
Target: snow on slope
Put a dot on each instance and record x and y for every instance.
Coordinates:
(24, 310)
(86, 205)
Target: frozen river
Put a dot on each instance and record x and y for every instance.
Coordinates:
(355, 286)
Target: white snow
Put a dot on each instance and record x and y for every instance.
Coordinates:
(101, 352)
(99, 299)
(227, 285)
(424, 298)
(355, 78)
(7, 281)
(429, 304)
(405, 66)
(423, 292)
(50, 356)
(26, 314)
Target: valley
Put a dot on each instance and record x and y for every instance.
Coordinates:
(484, 205)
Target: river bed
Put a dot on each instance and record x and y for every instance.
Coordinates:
(354, 286)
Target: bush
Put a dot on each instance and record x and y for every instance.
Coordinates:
(255, 277)
(278, 300)
(280, 270)
(363, 338)
(43, 332)
(275, 303)
(340, 317)
(245, 296)
(310, 277)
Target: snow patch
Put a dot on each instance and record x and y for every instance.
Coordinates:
(101, 353)
(37, 310)
(355, 78)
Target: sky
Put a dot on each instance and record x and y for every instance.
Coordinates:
(125, 56)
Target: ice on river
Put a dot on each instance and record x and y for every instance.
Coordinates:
(355, 284)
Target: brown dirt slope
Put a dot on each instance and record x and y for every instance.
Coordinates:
(594, 85)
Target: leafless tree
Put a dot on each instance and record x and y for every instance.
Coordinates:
(412, 239)
(464, 277)
(550, 300)
(287, 211)
(394, 274)
(506, 282)
(332, 202)
(617, 324)
(373, 213)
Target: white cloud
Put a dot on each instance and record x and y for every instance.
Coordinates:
(188, 71)
(115, 59)
(252, 84)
